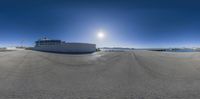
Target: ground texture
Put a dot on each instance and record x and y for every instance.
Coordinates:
(28, 74)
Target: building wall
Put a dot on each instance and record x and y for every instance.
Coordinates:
(68, 48)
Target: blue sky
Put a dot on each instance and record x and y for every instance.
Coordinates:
(126, 23)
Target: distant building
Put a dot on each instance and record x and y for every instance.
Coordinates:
(63, 47)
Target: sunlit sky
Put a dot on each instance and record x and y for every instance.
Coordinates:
(124, 23)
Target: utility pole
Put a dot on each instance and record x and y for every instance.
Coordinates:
(21, 43)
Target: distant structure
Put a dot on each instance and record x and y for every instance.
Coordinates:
(63, 47)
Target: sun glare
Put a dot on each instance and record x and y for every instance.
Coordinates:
(101, 35)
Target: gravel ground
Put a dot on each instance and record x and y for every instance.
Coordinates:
(26, 74)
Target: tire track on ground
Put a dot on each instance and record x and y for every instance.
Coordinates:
(147, 69)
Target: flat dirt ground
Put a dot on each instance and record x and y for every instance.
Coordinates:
(27, 74)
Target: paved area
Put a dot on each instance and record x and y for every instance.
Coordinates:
(28, 74)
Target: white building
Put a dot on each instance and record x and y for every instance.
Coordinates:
(63, 47)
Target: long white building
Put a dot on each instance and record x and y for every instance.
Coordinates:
(63, 47)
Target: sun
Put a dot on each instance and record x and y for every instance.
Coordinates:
(101, 35)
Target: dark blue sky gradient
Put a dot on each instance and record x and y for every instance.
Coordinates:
(127, 23)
